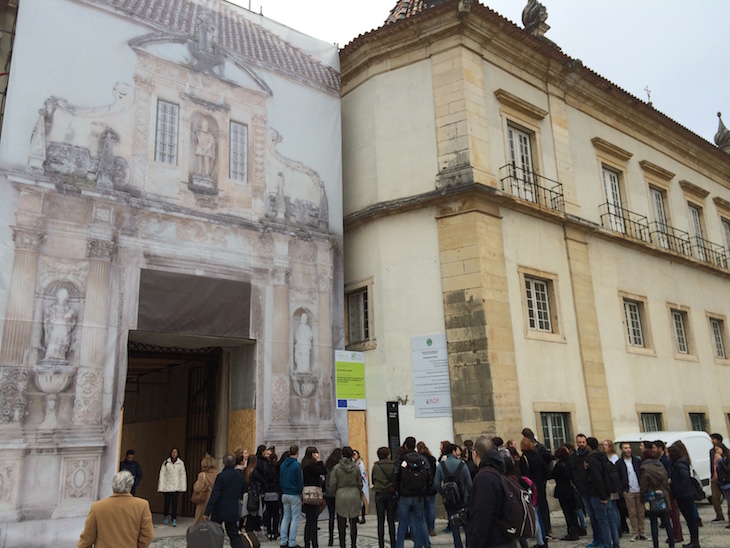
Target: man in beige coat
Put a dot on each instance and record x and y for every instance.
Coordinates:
(120, 521)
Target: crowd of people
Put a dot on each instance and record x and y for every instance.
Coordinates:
(266, 495)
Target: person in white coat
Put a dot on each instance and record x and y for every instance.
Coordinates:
(173, 480)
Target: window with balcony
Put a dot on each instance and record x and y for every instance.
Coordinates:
(697, 232)
(612, 187)
(726, 233)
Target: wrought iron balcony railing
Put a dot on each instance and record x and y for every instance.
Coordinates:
(668, 237)
(618, 219)
(708, 252)
(528, 185)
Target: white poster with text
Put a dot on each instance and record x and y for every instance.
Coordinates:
(431, 386)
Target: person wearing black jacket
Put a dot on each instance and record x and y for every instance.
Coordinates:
(683, 493)
(535, 467)
(313, 470)
(542, 502)
(487, 499)
(566, 493)
(222, 507)
(595, 495)
(629, 474)
(410, 505)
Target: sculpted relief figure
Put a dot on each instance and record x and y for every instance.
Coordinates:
(59, 320)
(303, 345)
(204, 149)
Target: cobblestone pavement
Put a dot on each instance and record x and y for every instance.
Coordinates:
(712, 535)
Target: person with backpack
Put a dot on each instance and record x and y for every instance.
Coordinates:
(542, 502)
(486, 502)
(386, 500)
(535, 467)
(412, 478)
(251, 509)
(453, 483)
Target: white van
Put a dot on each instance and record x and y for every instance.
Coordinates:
(698, 446)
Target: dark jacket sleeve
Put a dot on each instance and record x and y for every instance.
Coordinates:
(681, 487)
(623, 475)
(595, 475)
(485, 505)
(214, 496)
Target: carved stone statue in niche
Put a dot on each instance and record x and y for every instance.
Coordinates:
(59, 321)
(303, 345)
(204, 149)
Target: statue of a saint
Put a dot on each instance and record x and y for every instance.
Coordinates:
(303, 345)
(206, 35)
(204, 149)
(59, 321)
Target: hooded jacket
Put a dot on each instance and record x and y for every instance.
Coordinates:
(290, 477)
(485, 505)
(680, 474)
(653, 478)
(597, 487)
(346, 483)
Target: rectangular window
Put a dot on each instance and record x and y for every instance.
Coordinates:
(726, 233)
(538, 304)
(168, 115)
(555, 429)
(718, 336)
(651, 422)
(612, 187)
(695, 214)
(520, 152)
(698, 422)
(358, 322)
(680, 331)
(634, 327)
(238, 152)
(660, 216)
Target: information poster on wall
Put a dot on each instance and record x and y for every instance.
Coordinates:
(350, 372)
(431, 386)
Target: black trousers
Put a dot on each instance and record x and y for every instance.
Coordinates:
(342, 529)
(569, 507)
(542, 504)
(311, 512)
(332, 516)
(271, 517)
(666, 522)
(386, 505)
(233, 534)
(687, 507)
(171, 500)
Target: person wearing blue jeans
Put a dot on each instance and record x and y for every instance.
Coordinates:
(413, 478)
(596, 499)
(292, 485)
(410, 513)
(453, 467)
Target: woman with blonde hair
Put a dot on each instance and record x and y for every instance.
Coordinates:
(203, 486)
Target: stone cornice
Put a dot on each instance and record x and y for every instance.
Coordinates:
(694, 190)
(722, 204)
(656, 171)
(520, 105)
(609, 148)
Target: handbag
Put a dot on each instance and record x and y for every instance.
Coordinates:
(312, 494)
(198, 497)
(250, 540)
(699, 493)
(655, 500)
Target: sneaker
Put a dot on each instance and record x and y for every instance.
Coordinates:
(174, 523)
(643, 537)
(634, 538)
(593, 545)
(164, 520)
(718, 519)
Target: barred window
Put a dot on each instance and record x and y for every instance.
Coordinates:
(168, 118)
(238, 153)
(651, 422)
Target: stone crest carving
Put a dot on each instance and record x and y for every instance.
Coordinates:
(78, 478)
(87, 406)
(29, 240)
(326, 404)
(7, 480)
(13, 387)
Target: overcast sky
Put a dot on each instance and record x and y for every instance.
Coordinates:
(675, 47)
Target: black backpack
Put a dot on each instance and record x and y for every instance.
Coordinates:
(611, 477)
(254, 498)
(518, 516)
(414, 480)
(453, 492)
(723, 471)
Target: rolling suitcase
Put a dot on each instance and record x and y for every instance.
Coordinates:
(205, 534)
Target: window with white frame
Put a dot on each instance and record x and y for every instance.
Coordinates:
(238, 152)
(555, 429)
(660, 216)
(168, 122)
(698, 422)
(537, 294)
(698, 237)
(612, 186)
(717, 326)
(726, 233)
(634, 325)
(520, 153)
(679, 321)
(358, 316)
(651, 422)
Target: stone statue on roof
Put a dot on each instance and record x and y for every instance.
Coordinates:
(722, 137)
(534, 17)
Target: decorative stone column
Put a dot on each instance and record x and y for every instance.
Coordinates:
(326, 352)
(89, 379)
(280, 388)
(18, 324)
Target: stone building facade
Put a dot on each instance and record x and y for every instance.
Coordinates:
(171, 256)
(569, 240)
